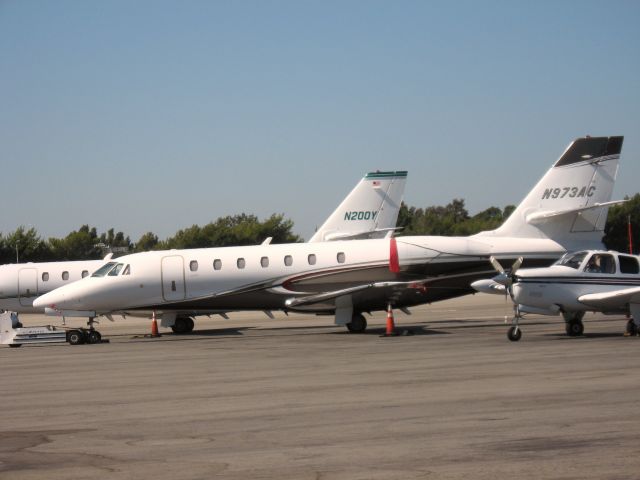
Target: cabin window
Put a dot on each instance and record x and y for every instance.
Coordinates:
(628, 264)
(85, 273)
(45, 276)
(193, 265)
(601, 263)
(241, 263)
(217, 264)
(65, 275)
(127, 270)
(312, 259)
(116, 270)
(340, 257)
(573, 260)
(288, 260)
(264, 261)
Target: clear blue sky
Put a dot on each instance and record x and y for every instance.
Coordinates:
(155, 115)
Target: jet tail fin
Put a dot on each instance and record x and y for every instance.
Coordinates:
(369, 211)
(570, 203)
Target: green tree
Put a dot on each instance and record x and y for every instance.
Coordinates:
(616, 230)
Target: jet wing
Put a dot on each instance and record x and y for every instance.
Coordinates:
(613, 300)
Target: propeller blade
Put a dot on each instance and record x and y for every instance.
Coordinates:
(516, 265)
(496, 265)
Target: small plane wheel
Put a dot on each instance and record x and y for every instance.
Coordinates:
(182, 325)
(15, 345)
(93, 337)
(358, 324)
(75, 337)
(632, 330)
(575, 328)
(514, 334)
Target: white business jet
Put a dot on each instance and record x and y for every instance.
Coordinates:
(566, 210)
(583, 281)
(369, 211)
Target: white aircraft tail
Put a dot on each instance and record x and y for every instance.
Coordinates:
(570, 203)
(369, 211)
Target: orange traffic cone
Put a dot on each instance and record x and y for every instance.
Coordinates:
(154, 326)
(391, 326)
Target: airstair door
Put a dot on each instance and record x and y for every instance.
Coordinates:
(27, 286)
(173, 278)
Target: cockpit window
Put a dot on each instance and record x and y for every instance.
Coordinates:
(601, 263)
(103, 270)
(116, 270)
(572, 260)
(127, 270)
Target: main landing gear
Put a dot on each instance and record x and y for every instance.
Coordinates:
(573, 323)
(183, 325)
(358, 323)
(78, 336)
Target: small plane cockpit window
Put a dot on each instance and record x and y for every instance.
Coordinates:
(193, 265)
(288, 260)
(45, 276)
(628, 264)
(65, 275)
(85, 273)
(127, 270)
(573, 260)
(601, 263)
(116, 270)
(102, 271)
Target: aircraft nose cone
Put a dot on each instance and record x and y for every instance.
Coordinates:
(53, 299)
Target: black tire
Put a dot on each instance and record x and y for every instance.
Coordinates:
(514, 334)
(93, 337)
(631, 328)
(75, 337)
(575, 328)
(181, 325)
(15, 345)
(358, 323)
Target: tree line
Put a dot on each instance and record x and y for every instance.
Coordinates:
(452, 219)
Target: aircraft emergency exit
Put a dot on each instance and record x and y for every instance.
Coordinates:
(566, 209)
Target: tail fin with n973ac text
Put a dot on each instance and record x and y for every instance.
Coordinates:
(570, 203)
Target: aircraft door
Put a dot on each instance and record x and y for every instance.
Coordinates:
(27, 286)
(173, 287)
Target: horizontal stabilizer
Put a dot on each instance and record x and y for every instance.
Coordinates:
(611, 300)
(540, 217)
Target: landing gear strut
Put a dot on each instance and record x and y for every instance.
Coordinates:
(183, 325)
(514, 333)
(358, 323)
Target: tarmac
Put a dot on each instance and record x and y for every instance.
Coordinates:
(297, 397)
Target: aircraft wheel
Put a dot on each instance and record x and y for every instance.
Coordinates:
(182, 325)
(575, 328)
(75, 337)
(358, 323)
(514, 334)
(94, 337)
(632, 330)
(15, 345)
